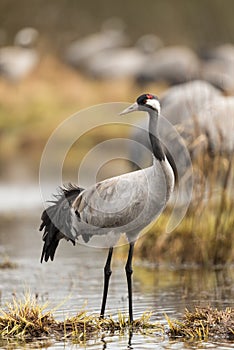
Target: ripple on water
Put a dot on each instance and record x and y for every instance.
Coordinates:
(75, 279)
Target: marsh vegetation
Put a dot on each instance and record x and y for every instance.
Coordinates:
(26, 320)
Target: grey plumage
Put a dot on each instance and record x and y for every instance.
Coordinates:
(81, 51)
(123, 62)
(218, 67)
(19, 60)
(171, 64)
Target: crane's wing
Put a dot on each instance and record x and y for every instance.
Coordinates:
(113, 202)
(56, 221)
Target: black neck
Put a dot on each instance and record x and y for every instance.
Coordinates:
(153, 135)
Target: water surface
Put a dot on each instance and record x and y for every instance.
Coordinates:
(74, 281)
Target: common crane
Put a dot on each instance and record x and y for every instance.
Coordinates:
(217, 67)
(170, 64)
(19, 60)
(112, 35)
(118, 205)
(122, 62)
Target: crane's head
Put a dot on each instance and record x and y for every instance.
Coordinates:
(145, 102)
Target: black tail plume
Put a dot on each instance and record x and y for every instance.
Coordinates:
(56, 221)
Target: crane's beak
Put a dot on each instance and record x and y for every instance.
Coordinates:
(130, 109)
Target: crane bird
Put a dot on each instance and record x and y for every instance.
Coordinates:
(112, 35)
(123, 204)
(19, 60)
(170, 64)
(217, 67)
(122, 62)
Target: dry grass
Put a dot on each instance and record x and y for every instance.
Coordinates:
(25, 321)
(6, 263)
(204, 323)
(206, 233)
(82, 326)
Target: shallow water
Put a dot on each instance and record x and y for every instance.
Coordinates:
(74, 281)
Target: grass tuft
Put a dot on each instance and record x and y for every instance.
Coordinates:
(204, 323)
(82, 326)
(25, 320)
(6, 263)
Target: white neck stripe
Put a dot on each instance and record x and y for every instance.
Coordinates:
(154, 104)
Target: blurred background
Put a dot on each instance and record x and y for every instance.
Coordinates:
(58, 56)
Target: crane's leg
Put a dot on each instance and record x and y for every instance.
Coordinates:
(129, 271)
(107, 274)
